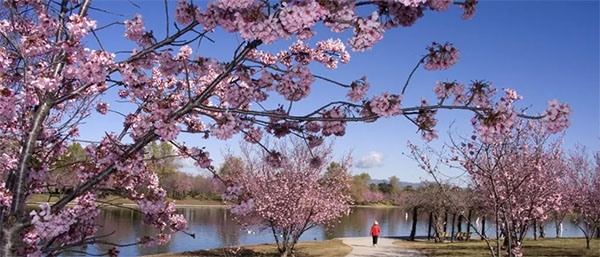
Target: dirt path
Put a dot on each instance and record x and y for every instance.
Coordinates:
(362, 247)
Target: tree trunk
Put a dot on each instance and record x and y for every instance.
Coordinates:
(446, 222)
(587, 241)
(557, 225)
(459, 224)
(287, 250)
(286, 253)
(542, 230)
(469, 225)
(598, 232)
(483, 228)
(436, 229)
(429, 227)
(534, 229)
(452, 231)
(413, 230)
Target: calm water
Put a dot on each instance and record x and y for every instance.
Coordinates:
(214, 228)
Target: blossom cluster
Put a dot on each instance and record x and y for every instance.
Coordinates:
(441, 56)
(556, 118)
(358, 89)
(386, 105)
(67, 226)
(444, 90)
(80, 26)
(426, 121)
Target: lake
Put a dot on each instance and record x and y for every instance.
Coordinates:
(214, 228)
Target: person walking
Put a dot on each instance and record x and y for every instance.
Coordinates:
(375, 231)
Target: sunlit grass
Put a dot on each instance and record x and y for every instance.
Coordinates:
(540, 247)
(328, 248)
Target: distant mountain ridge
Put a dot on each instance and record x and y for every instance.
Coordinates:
(400, 183)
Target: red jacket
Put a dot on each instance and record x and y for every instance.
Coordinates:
(375, 230)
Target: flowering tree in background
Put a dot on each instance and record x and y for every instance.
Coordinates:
(291, 196)
(515, 177)
(566, 187)
(51, 80)
(584, 175)
(370, 196)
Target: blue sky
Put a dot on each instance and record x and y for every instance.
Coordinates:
(543, 49)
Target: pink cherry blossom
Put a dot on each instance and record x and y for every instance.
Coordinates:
(254, 135)
(134, 28)
(295, 83)
(358, 89)
(413, 3)
(441, 57)
(184, 12)
(337, 128)
(234, 4)
(367, 32)
(386, 105)
(556, 117)
(444, 90)
(468, 9)
(439, 5)
(102, 107)
(80, 26)
(297, 18)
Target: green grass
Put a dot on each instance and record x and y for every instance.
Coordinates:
(328, 248)
(540, 247)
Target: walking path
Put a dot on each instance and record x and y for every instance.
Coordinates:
(363, 247)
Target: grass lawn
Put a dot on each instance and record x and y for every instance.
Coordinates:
(540, 247)
(329, 248)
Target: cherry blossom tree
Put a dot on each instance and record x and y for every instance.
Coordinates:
(584, 175)
(566, 187)
(515, 177)
(292, 196)
(51, 80)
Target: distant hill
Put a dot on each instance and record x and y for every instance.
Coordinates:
(400, 183)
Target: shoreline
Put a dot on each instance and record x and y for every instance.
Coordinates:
(212, 205)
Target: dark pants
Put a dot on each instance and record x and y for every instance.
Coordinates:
(375, 239)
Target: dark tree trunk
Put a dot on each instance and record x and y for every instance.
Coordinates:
(542, 230)
(557, 227)
(598, 232)
(534, 229)
(446, 222)
(483, 228)
(413, 230)
(587, 241)
(452, 231)
(459, 224)
(469, 225)
(429, 227)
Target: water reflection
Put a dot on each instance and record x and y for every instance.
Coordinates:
(214, 228)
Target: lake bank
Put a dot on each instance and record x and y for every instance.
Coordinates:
(214, 228)
(116, 201)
